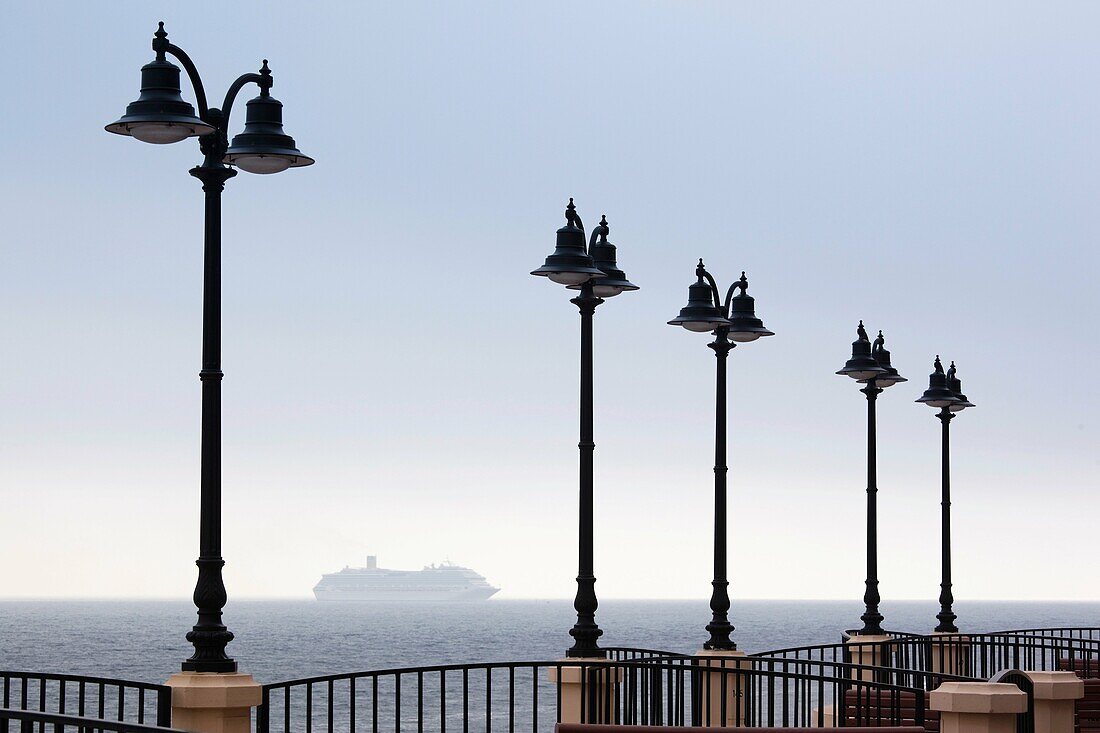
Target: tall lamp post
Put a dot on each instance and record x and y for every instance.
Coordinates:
(945, 392)
(160, 116)
(594, 272)
(870, 366)
(733, 319)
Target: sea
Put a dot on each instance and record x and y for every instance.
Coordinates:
(280, 640)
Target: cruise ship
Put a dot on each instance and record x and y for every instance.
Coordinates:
(445, 582)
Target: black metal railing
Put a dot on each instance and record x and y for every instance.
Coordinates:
(34, 721)
(655, 690)
(629, 653)
(974, 656)
(121, 701)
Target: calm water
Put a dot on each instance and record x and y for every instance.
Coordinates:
(287, 639)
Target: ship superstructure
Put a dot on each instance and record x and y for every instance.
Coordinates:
(443, 582)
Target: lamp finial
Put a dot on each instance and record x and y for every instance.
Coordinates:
(160, 41)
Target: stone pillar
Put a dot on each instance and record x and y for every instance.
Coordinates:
(950, 654)
(208, 702)
(978, 707)
(872, 650)
(589, 689)
(716, 679)
(1056, 694)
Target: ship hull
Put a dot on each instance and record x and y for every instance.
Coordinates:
(404, 594)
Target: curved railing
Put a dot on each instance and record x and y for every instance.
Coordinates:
(660, 690)
(31, 720)
(628, 653)
(99, 697)
(970, 655)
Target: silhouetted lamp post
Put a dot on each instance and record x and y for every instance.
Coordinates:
(870, 366)
(945, 392)
(594, 273)
(732, 319)
(161, 115)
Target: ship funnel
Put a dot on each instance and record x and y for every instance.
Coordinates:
(372, 562)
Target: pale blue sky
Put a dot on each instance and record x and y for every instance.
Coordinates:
(396, 382)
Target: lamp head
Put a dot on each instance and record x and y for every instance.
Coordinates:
(890, 377)
(160, 115)
(264, 147)
(603, 256)
(700, 314)
(862, 366)
(955, 385)
(938, 393)
(569, 263)
(744, 325)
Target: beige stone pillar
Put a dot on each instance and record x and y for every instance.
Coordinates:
(589, 689)
(717, 680)
(950, 654)
(208, 702)
(978, 707)
(872, 650)
(1056, 694)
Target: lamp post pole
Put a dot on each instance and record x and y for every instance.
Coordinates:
(731, 320)
(585, 632)
(870, 366)
(720, 627)
(209, 635)
(593, 270)
(161, 115)
(946, 616)
(872, 619)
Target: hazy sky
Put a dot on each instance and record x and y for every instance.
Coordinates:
(397, 384)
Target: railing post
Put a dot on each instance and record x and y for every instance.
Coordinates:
(1056, 694)
(722, 688)
(870, 650)
(588, 689)
(978, 707)
(950, 654)
(213, 702)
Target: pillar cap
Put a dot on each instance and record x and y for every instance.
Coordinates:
(1057, 685)
(214, 690)
(978, 697)
(868, 639)
(719, 653)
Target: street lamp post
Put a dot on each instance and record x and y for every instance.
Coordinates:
(594, 272)
(870, 366)
(945, 392)
(731, 320)
(160, 116)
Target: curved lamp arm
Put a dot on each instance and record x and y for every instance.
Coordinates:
(262, 80)
(189, 67)
(742, 285)
(715, 296)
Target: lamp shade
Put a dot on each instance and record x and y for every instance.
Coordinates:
(890, 376)
(938, 394)
(603, 257)
(700, 314)
(744, 325)
(263, 147)
(955, 385)
(569, 264)
(862, 366)
(160, 115)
